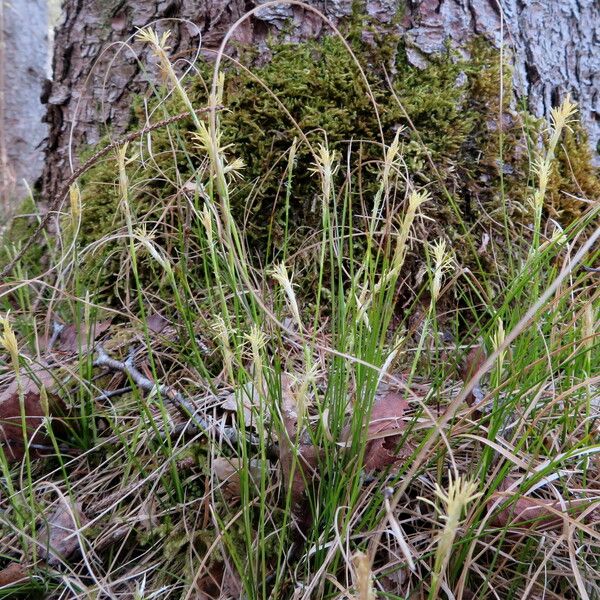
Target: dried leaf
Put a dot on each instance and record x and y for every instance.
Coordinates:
(230, 404)
(227, 472)
(147, 514)
(302, 473)
(57, 537)
(221, 581)
(209, 586)
(156, 323)
(11, 431)
(394, 583)
(72, 338)
(13, 573)
(532, 512)
(384, 433)
(225, 469)
(249, 398)
(527, 512)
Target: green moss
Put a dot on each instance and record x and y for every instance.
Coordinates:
(476, 169)
(319, 84)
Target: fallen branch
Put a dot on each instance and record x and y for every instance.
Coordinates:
(184, 405)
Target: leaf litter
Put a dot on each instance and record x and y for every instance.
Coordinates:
(57, 540)
(22, 402)
(387, 447)
(58, 537)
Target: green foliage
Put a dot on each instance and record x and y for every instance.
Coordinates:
(20, 229)
(445, 111)
(453, 142)
(306, 362)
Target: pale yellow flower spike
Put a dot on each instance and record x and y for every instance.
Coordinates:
(144, 240)
(75, 202)
(258, 340)
(159, 44)
(415, 200)
(497, 340)
(8, 340)
(326, 166)
(461, 492)
(442, 263)
(280, 274)
(160, 50)
(364, 577)
(222, 335)
(562, 116)
(44, 402)
(392, 156)
(206, 219)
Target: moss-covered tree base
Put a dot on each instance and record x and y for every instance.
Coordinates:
(471, 151)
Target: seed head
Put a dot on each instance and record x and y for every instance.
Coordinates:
(8, 340)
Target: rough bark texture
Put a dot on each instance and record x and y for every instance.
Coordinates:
(554, 45)
(23, 62)
(555, 49)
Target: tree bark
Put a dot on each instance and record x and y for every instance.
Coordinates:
(24, 53)
(553, 44)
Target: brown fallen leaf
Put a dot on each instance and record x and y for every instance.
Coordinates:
(227, 473)
(249, 399)
(384, 433)
(13, 573)
(472, 363)
(531, 512)
(147, 514)
(156, 323)
(220, 581)
(208, 587)
(11, 431)
(72, 338)
(386, 427)
(57, 536)
(527, 512)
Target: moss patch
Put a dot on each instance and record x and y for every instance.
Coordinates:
(446, 112)
(453, 143)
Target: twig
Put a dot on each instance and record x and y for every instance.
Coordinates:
(182, 404)
(128, 367)
(108, 394)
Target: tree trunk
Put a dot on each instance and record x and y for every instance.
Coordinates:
(24, 53)
(554, 45)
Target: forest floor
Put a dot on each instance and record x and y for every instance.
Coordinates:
(335, 423)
